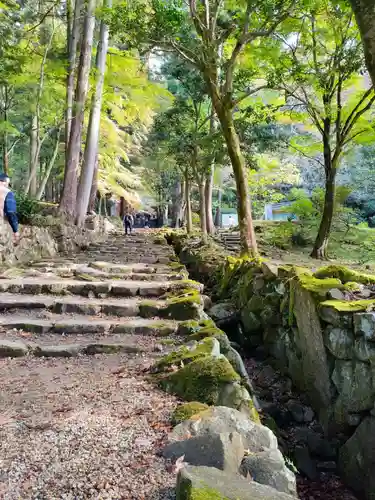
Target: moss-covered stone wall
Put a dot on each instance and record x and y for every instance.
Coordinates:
(319, 327)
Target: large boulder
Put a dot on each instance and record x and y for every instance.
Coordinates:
(268, 467)
(224, 451)
(208, 483)
(357, 459)
(219, 419)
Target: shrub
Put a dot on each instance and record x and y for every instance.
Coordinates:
(196, 219)
(27, 208)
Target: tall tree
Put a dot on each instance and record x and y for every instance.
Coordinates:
(364, 11)
(320, 73)
(69, 195)
(92, 139)
(233, 26)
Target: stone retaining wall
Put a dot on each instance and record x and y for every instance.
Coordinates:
(319, 328)
(42, 242)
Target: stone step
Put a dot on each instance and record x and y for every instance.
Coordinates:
(78, 305)
(116, 288)
(65, 325)
(57, 346)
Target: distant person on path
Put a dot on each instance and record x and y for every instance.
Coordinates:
(8, 206)
(128, 223)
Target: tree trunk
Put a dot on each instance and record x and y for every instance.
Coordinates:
(5, 134)
(69, 195)
(321, 243)
(94, 187)
(189, 218)
(210, 181)
(49, 168)
(364, 11)
(208, 198)
(202, 210)
(73, 25)
(245, 220)
(31, 183)
(92, 139)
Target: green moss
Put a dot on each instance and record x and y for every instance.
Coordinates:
(185, 355)
(168, 342)
(344, 274)
(87, 277)
(352, 286)
(184, 307)
(186, 411)
(187, 327)
(213, 332)
(176, 266)
(253, 412)
(205, 493)
(349, 306)
(200, 380)
(319, 286)
(149, 308)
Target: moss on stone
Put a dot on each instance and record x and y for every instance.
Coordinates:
(184, 307)
(186, 355)
(205, 493)
(87, 277)
(213, 332)
(188, 327)
(253, 412)
(344, 274)
(200, 380)
(149, 308)
(349, 306)
(186, 411)
(168, 342)
(160, 241)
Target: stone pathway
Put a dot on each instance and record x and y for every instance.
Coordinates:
(79, 418)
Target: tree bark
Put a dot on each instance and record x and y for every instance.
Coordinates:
(321, 243)
(49, 168)
(202, 208)
(31, 183)
(364, 11)
(69, 195)
(73, 25)
(94, 187)
(210, 182)
(189, 218)
(245, 220)
(92, 140)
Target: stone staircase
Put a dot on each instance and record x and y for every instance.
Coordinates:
(79, 418)
(229, 239)
(76, 305)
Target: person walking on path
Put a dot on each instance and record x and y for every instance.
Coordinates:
(8, 206)
(128, 223)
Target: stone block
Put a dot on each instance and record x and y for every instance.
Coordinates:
(219, 419)
(340, 342)
(353, 381)
(209, 483)
(364, 325)
(268, 467)
(12, 349)
(357, 459)
(223, 451)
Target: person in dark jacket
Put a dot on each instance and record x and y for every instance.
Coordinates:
(8, 206)
(128, 223)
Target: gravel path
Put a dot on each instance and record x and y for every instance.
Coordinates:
(86, 428)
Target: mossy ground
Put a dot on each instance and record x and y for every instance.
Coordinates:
(186, 410)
